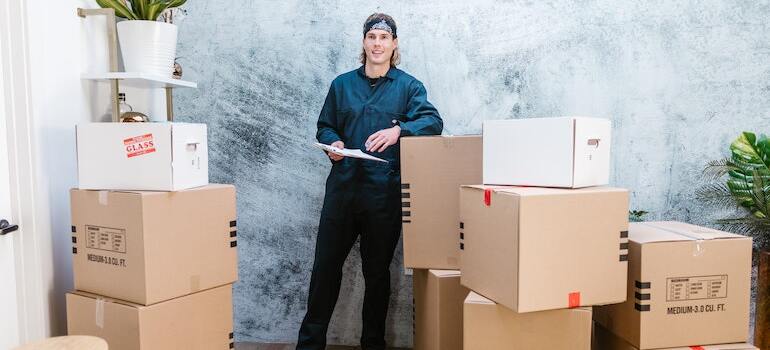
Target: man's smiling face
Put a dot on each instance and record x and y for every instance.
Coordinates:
(379, 45)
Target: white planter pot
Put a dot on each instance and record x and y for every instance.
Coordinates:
(148, 46)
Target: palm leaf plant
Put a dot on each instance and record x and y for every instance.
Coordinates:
(636, 215)
(148, 10)
(747, 186)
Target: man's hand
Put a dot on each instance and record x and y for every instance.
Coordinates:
(334, 156)
(381, 140)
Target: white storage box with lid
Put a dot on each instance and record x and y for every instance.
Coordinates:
(569, 152)
(142, 156)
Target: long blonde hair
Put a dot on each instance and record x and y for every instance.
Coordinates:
(395, 59)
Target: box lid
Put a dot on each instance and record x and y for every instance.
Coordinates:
(672, 231)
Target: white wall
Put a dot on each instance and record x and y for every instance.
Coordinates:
(62, 46)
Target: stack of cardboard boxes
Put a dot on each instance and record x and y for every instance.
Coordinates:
(518, 263)
(153, 244)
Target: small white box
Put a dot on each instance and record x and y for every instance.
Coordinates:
(570, 152)
(142, 156)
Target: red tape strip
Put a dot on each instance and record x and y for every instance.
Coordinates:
(697, 347)
(488, 196)
(574, 300)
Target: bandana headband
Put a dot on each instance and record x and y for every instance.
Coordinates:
(381, 25)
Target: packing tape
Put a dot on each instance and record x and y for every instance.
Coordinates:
(697, 251)
(99, 317)
(447, 141)
(573, 300)
(103, 197)
(697, 348)
(195, 283)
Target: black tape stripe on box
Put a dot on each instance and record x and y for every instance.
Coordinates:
(233, 233)
(406, 221)
(640, 307)
(624, 257)
(462, 235)
(406, 195)
(642, 285)
(233, 223)
(624, 245)
(233, 244)
(406, 204)
(74, 250)
(231, 335)
(74, 239)
(406, 213)
(404, 186)
(462, 225)
(232, 345)
(74, 229)
(623, 234)
(641, 296)
(462, 246)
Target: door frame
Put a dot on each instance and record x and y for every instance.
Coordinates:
(32, 302)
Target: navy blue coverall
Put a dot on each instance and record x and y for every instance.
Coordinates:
(362, 196)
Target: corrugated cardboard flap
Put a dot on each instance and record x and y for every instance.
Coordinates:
(475, 298)
(543, 191)
(672, 231)
(445, 273)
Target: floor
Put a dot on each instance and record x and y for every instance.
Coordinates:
(260, 346)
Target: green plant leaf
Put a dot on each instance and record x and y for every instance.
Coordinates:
(718, 168)
(636, 215)
(176, 3)
(140, 8)
(717, 194)
(120, 9)
(155, 8)
(750, 178)
(747, 186)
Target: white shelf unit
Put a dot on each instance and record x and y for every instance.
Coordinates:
(131, 79)
(139, 80)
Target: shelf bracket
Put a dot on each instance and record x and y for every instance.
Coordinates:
(112, 44)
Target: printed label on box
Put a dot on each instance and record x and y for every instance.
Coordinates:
(137, 146)
(106, 238)
(696, 288)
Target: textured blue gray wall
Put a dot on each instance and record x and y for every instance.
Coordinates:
(679, 79)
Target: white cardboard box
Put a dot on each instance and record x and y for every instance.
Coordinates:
(567, 152)
(142, 156)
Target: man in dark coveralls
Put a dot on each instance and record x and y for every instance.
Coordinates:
(369, 108)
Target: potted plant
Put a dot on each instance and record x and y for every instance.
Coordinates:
(147, 45)
(747, 187)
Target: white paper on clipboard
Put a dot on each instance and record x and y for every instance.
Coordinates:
(354, 153)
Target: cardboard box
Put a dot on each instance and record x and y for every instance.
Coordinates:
(535, 249)
(604, 340)
(201, 321)
(142, 156)
(438, 304)
(432, 169)
(686, 285)
(147, 247)
(568, 152)
(489, 326)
